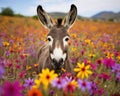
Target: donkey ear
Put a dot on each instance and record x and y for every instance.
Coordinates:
(44, 17)
(71, 16)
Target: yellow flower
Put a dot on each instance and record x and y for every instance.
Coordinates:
(28, 67)
(73, 35)
(73, 82)
(109, 55)
(36, 65)
(37, 83)
(5, 44)
(88, 41)
(118, 57)
(47, 76)
(74, 49)
(83, 71)
(63, 70)
(92, 55)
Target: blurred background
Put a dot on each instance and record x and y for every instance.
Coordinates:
(94, 40)
(87, 9)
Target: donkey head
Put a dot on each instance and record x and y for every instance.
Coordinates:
(58, 35)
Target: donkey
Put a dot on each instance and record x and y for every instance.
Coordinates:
(54, 54)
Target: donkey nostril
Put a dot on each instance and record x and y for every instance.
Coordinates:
(61, 60)
(54, 61)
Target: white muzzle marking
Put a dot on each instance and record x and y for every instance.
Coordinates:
(58, 54)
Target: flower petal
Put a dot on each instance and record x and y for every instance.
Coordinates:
(76, 69)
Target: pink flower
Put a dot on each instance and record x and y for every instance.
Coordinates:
(93, 66)
(99, 92)
(104, 76)
(12, 89)
(22, 74)
(108, 62)
(98, 61)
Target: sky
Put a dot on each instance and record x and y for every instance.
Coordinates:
(86, 8)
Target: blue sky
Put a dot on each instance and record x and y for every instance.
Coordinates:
(86, 8)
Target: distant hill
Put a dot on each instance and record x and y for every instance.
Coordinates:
(62, 15)
(107, 15)
(57, 14)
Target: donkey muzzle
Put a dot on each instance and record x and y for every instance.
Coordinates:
(58, 64)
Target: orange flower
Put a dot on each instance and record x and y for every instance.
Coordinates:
(34, 92)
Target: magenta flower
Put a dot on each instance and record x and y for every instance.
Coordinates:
(29, 83)
(59, 83)
(0, 90)
(93, 66)
(22, 74)
(66, 74)
(99, 92)
(98, 61)
(12, 89)
(70, 83)
(108, 62)
(104, 76)
(84, 85)
(70, 87)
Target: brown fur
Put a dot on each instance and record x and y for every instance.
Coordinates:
(58, 32)
(44, 60)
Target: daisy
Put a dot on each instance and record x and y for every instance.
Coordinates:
(29, 83)
(82, 70)
(47, 76)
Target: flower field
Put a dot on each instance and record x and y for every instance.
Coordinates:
(94, 52)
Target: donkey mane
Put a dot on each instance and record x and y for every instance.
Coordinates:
(59, 21)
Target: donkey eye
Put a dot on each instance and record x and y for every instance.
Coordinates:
(66, 39)
(49, 39)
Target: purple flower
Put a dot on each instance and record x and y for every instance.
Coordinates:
(2, 61)
(51, 93)
(116, 68)
(108, 62)
(7, 53)
(1, 42)
(68, 79)
(118, 76)
(29, 83)
(73, 60)
(12, 89)
(2, 64)
(93, 88)
(59, 83)
(2, 71)
(84, 85)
